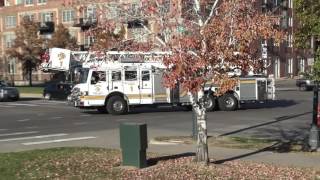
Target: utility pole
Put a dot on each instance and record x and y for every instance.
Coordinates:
(314, 130)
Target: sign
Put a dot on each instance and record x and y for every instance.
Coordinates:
(60, 59)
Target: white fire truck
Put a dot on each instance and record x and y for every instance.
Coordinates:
(117, 81)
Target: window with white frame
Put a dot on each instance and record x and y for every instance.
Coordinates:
(46, 17)
(290, 4)
(302, 65)
(42, 1)
(290, 66)
(289, 39)
(88, 40)
(11, 21)
(67, 15)
(19, 2)
(12, 66)
(90, 13)
(9, 40)
(30, 16)
(139, 34)
(29, 2)
(290, 19)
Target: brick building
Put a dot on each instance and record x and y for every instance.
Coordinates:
(284, 60)
(281, 60)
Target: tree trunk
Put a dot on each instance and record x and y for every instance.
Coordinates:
(30, 76)
(202, 141)
(202, 154)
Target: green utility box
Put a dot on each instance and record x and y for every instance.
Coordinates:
(134, 142)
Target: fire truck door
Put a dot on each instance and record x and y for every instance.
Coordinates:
(115, 80)
(146, 86)
(131, 85)
(98, 87)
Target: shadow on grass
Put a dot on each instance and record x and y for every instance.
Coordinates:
(278, 119)
(246, 155)
(154, 161)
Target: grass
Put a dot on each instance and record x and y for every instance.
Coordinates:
(241, 143)
(97, 163)
(30, 90)
(61, 163)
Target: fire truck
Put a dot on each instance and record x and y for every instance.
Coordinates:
(114, 82)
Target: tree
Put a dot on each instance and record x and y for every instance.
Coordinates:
(208, 39)
(27, 47)
(61, 38)
(308, 14)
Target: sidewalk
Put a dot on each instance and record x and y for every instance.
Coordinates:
(220, 155)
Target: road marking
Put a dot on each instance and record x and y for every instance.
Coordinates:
(18, 104)
(23, 120)
(121, 120)
(19, 133)
(6, 106)
(31, 127)
(80, 123)
(58, 140)
(32, 137)
(85, 115)
(56, 118)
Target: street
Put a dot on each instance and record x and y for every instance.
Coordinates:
(35, 123)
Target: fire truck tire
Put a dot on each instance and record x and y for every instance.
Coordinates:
(102, 109)
(211, 103)
(116, 105)
(228, 102)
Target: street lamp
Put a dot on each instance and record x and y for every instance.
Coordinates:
(314, 130)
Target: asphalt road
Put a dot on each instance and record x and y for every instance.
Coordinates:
(35, 123)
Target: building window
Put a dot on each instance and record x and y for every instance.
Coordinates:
(301, 65)
(12, 66)
(46, 17)
(290, 21)
(29, 2)
(31, 17)
(290, 65)
(42, 1)
(90, 13)
(9, 40)
(139, 34)
(11, 21)
(290, 4)
(289, 40)
(67, 15)
(19, 2)
(88, 41)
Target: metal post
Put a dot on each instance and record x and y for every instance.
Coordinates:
(314, 130)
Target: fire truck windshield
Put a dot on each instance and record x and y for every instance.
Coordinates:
(83, 75)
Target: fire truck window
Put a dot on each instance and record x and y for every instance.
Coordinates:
(102, 75)
(130, 75)
(145, 75)
(116, 75)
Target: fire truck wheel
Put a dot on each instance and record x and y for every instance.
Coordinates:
(116, 105)
(211, 103)
(228, 102)
(102, 109)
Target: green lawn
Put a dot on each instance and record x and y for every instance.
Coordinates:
(30, 90)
